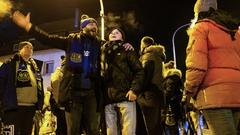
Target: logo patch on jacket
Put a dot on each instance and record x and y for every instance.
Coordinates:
(23, 77)
(76, 57)
(86, 53)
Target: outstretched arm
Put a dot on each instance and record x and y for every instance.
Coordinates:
(22, 20)
(52, 40)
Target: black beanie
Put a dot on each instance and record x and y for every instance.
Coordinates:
(119, 29)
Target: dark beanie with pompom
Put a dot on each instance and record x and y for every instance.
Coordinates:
(85, 20)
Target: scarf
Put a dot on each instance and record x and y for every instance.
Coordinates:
(22, 74)
(108, 52)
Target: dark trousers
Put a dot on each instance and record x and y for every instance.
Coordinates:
(20, 121)
(84, 110)
(61, 122)
(152, 120)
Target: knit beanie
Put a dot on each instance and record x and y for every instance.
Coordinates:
(146, 41)
(85, 20)
(119, 29)
(22, 44)
(204, 5)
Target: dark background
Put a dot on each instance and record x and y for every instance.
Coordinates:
(138, 18)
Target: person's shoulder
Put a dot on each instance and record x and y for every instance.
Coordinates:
(155, 48)
(14, 58)
(200, 27)
(6, 65)
(73, 35)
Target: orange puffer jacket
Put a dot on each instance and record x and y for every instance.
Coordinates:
(213, 66)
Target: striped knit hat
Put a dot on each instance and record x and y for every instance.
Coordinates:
(85, 20)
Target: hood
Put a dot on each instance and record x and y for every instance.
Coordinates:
(228, 23)
(156, 50)
(221, 17)
(171, 72)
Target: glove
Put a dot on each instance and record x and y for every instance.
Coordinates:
(186, 105)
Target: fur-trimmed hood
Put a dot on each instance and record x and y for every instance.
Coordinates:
(154, 50)
(171, 72)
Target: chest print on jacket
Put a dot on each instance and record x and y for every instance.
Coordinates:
(76, 57)
(23, 77)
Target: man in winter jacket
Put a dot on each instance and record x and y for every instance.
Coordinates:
(213, 67)
(151, 98)
(21, 90)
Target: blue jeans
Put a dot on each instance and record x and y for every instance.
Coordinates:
(222, 121)
(127, 112)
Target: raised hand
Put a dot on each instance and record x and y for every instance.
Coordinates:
(131, 95)
(21, 20)
(128, 46)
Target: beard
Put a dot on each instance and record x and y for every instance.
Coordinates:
(91, 32)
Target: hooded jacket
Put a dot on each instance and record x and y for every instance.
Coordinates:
(213, 63)
(152, 60)
(172, 83)
(155, 54)
(151, 98)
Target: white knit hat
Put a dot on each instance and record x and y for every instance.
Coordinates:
(204, 5)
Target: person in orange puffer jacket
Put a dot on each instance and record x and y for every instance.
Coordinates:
(213, 67)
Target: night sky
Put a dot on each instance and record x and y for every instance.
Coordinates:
(156, 18)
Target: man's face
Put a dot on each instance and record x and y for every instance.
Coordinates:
(27, 51)
(91, 29)
(115, 35)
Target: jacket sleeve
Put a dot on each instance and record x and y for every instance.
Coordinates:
(1, 90)
(148, 72)
(56, 78)
(3, 79)
(196, 58)
(138, 73)
(52, 40)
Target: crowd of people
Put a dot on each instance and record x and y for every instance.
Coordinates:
(106, 88)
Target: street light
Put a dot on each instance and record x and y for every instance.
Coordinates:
(173, 43)
(102, 19)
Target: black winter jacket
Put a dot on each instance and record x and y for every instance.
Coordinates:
(124, 71)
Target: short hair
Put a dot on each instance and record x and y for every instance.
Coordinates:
(23, 43)
(147, 41)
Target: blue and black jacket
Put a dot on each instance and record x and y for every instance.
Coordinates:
(82, 70)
